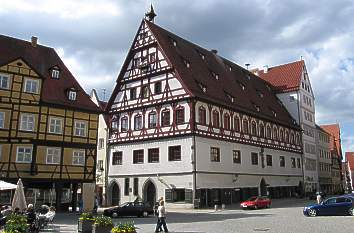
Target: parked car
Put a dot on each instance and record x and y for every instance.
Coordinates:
(342, 205)
(256, 202)
(139, 209)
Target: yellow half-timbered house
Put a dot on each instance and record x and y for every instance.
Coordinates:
(48, 124)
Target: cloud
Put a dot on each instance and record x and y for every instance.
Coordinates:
(93, 38)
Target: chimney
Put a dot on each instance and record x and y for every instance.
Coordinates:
(255, 71)
(214, 51)
(34, 41)
(265, 69)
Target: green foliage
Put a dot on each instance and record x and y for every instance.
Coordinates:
(128, 227)
(86, 217)
(103, 221)
(16, 224)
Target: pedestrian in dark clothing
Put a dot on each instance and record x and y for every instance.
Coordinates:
(161, 217)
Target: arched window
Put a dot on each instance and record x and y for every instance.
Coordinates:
(269, 132)
(261, 130)
(237, 124)
(254, 128)
(165, 118)
(179, 115)
(138, 122)
(202, 115)
(114, 123)
(152, 120)
(275, 133)
(286, 139)
(216, 119)
(281, 135)
(292, 138)
(297, 139)
(124, 124)
(227, 121)
(245, 126)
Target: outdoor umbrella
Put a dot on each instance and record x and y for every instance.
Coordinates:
(19, 200)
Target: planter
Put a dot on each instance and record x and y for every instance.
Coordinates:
(101, 229)
(85, 226)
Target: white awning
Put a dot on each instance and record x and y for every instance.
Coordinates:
(6, 186)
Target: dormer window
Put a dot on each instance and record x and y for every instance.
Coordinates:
(231, 98)
(257, 108)
(260, 94)
(242, 86)
(274, 113)
(216, 76)
(202, 56)
(55, 73)
(202, 87)
(72, 95)
(174, 42)
(230, 68)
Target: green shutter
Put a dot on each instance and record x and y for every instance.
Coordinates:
(168, 195)
(188, 195)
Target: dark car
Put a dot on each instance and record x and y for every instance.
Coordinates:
(342, 205)
(139, 209)
(256, 202)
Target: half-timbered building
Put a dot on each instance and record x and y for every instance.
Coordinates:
(48, 124)
(193, 127)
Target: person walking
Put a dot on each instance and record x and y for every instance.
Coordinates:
(156, 213)
(319, 198)
(161, 217)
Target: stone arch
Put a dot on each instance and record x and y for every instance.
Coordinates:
(149, 192)
(114, 193)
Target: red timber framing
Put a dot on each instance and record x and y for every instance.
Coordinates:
(145, 66)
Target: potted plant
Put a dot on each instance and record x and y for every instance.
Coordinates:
(124, 228)
(85, 223)
(103, 224)
(16, 224)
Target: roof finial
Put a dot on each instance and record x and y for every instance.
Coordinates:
(151, 14)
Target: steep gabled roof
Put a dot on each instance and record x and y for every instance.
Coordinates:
(334, 131)
(42, 59)
(349, 157)
(284, 78)
(202, 67)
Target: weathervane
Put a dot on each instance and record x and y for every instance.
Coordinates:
(151, 14)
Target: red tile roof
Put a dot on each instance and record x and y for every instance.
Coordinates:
(335, 140)
(200, 71)
(284, 78)
(42, 59)
(349, 157)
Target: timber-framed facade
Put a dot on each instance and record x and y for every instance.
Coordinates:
(191, 126)
(49, 130)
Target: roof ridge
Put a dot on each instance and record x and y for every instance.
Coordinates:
(26, 41)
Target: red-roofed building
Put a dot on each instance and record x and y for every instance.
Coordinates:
(195, 128)
(348, 171)
(292, 85)
(48, 124)
(336, 153)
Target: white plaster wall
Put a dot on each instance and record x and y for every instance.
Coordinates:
(164, 166)
(291, 101)
(245, 167)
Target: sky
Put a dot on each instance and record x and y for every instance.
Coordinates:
(93, 38)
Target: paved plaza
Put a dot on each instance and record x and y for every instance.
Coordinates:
(285, 216)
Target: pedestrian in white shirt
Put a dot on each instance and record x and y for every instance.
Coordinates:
(162, 217)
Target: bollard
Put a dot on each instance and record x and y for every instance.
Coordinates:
(223, 206)
(216, 207)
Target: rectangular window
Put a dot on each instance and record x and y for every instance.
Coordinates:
(124, 124)
(53, 155)
(27, 122)
(99, 165)
(4, 82)
(2, 120)
(165, 118)
(269, 160)
(24, 155)
(138, 122)
(55, 74)
(72, 95)
(31, 86)
(136, 186)
(298, 162)
(80, 128)
(101, 143)
(282, 161)
(152, 120)
(153, 155)
(126, 187)
(117, 158)
(293, 163)
(79, 157)
(236, 156)
(174, 153)
(254, 158)
(145, 91)
(158, 88)
(132, 92)
(138, 156)
(0, 152)
(56, 125)
(214, 154)
(180, 116)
